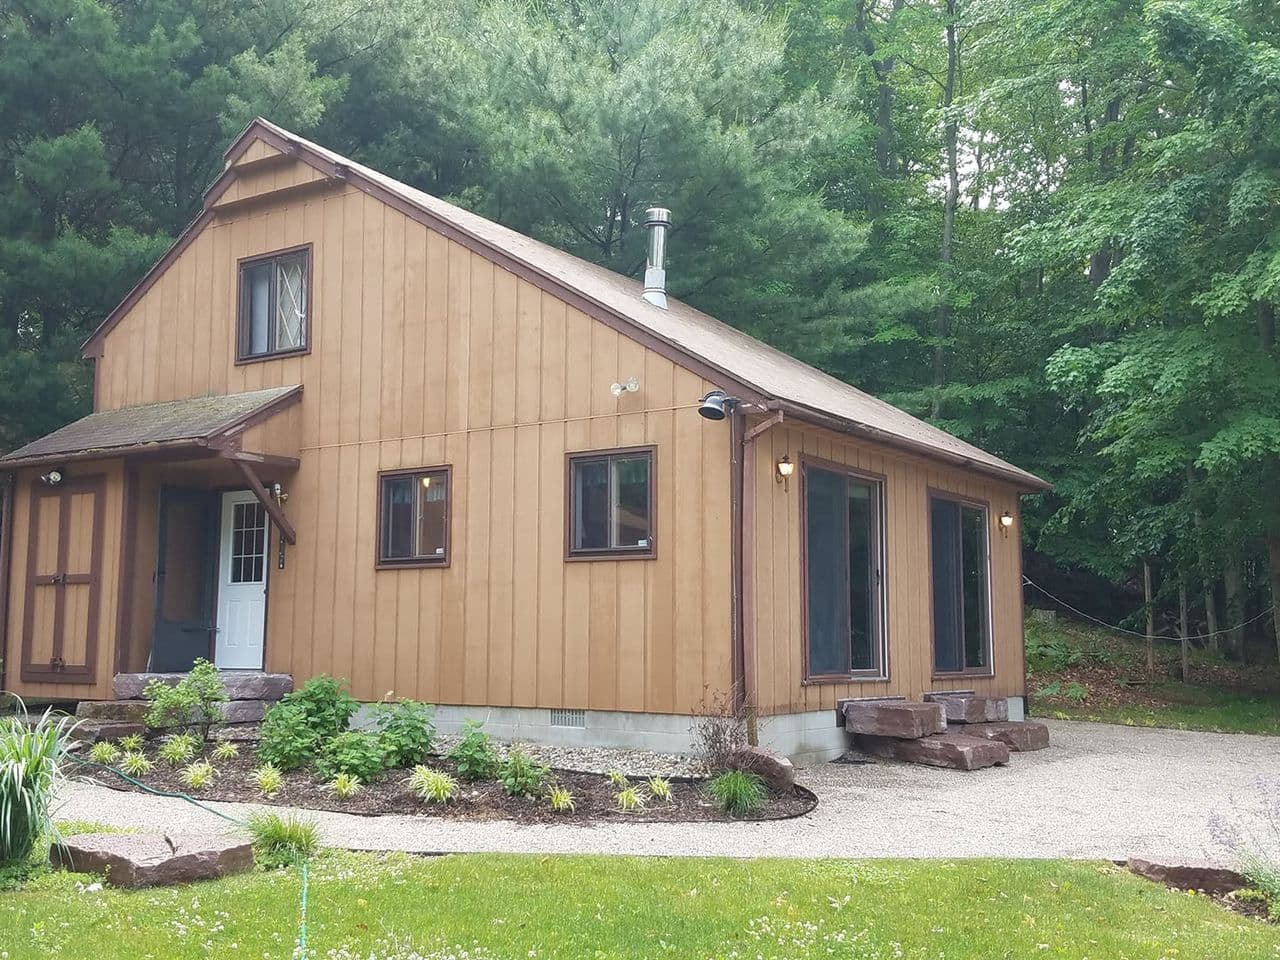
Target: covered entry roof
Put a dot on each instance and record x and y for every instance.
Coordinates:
(201, 422)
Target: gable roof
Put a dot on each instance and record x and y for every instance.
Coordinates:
(197, 422)
(743, 365)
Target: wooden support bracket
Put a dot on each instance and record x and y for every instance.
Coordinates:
(268, 502)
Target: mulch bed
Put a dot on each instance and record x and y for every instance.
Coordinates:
(475, 800)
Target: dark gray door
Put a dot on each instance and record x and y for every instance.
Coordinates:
(186, 562)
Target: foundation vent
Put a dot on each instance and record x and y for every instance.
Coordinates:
(568, 718)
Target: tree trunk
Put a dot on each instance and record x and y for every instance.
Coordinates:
(1151, 620)
(1266, 319)
(1210, 602)
(1184, 631)
(951, 136)
(1273, 554)
(1233, 583)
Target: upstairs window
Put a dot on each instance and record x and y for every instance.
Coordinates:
(413, 522)
(273, 304)
(611, 504)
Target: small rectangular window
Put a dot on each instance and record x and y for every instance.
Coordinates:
(413, 523)
(961, 586)
(611, 504)
(273, 305)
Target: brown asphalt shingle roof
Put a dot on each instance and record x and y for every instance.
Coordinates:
(127, 429)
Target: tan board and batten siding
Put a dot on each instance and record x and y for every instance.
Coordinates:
(425, 353)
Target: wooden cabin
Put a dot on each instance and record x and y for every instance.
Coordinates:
(345, 427)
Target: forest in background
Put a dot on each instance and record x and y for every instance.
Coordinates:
(1051, 227)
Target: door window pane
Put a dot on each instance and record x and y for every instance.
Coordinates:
(414, 526)
(248, 541)
(611, 503)
(961, 586)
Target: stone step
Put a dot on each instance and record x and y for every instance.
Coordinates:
(968, 708)
(240, 684)
(91, 731)
(893, 718)
(955, 751)
(1018, 735)
(130, 711)
(153, 859)
(245, 711)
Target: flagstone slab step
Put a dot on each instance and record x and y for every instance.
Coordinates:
(955, 751)
(91, 731)
(152, 859)
(893, 718)
(1019, 735)
(967, 708)
(128, 711)
(240, 684)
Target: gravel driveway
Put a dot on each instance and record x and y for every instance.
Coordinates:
(1099, 791)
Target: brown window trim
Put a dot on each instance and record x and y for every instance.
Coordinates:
(610, 553)
(880, 674)
(412, 563)
(242, 320)
(973, 672)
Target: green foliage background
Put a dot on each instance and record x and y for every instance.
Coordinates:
(1051, 228)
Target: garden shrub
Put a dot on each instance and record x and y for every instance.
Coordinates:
(720, 731)
(1254, 845)
(474, 753)
(31, 756)
(738, 792)
(521, 775)
(196, 701)
(326, 705)
(406, 731)
(279, 841)
(287, 741)
(354, 752)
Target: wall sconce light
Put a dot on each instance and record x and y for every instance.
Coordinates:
(630, 386)
(52, 478)
(1006, 521)
(277, 491)
(785, 469)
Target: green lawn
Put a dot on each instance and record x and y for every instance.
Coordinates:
(1080, 672)
(362, 906)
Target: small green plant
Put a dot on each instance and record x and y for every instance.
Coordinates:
(618, 779)
(225, 750)
(660, 788)
(195, 701)
(738, 792)
(31, 756)
(432, 786)
(197, 775)
(406, 731)
(474, 753)
(1076, 692)
(135, 763)
(561, 800)
(104, 752)
(287, 739)
(279, 841)
(521, 775)
(630, 800)
(344, 785)
(359, 754)
(132, 743)
(178, 749)
(326, 706)
(268, 779)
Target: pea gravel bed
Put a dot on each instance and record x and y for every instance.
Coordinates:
(1098, 792)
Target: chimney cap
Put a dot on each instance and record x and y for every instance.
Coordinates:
(657, 215)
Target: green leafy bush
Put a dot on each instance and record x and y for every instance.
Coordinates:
(406, 731)
(104, 752)
(738, 792)
(197, 775)
(178, 749)
(31, 756)
(326, 705)
(354, 752)
(432, 786)
(287, 741)
(195, 701)
(268, 779)
(279, 841)
(136, 764)
(474, 753)
(344, 785)
(521, 775)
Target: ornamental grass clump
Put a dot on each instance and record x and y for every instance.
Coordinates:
(136, 763)
(630, 800)
(279, 841)
(561, 800)
(197, 775)
(178, 749)
(225, 750)
(432, 786)
(738, 793)
(31, 757)
(132, 743)
(104, 752)
(268, 779)
(344, 785)
(660, 788)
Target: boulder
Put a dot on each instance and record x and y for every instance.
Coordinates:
(966, 708)
(1019, 735)
(91, 731)
(774, 770)
(1214, 880)
(893, 718)
(128, 711)
(240, 684)
(135, 860)
(244, 711)
(951, 750)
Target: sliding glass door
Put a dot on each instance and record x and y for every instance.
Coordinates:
(961, 586)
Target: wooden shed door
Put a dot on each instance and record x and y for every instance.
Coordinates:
(64, 581)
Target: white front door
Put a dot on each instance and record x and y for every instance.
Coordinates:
(242, 582)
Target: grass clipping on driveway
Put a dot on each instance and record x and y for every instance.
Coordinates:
(398, 906)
